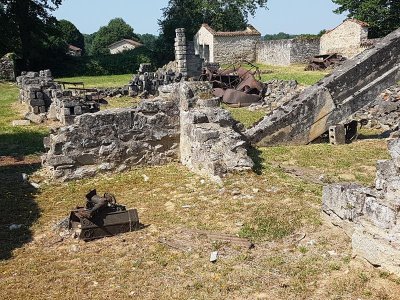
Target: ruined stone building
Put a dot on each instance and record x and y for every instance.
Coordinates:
(226, 47)
(348, 39)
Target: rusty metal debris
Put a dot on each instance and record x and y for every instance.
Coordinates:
(102, 217)
(237, 86)
(322, 62)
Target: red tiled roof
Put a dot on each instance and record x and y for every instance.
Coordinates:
(250, 30)
(132, 42)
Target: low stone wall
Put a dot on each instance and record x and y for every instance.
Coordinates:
(286, 52)
(178, 124)
(114, 140)
(46, 99)
(370, 216)
(7, 68)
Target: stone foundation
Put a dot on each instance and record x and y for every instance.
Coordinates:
(46, 99)
(370, 216)
(178, 124)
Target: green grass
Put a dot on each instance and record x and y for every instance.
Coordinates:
(292, 72)
(245, 116)
(17, 141)
(101, 81)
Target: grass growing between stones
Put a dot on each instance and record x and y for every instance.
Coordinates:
(296, 254)
(245, 116)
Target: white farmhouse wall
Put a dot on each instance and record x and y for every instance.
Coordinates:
(118, 48)
(345, 39)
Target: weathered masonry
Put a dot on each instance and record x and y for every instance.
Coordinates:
(286, 52)
(349, 88)
(226, 47)
(179, 124)
(348, 39)
(7, 68)
(370, 216)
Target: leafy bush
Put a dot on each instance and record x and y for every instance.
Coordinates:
(122, 63)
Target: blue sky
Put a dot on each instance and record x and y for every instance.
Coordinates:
(290, 16)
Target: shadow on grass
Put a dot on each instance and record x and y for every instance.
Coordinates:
(17, 207)
(255, 155)
(21, 143)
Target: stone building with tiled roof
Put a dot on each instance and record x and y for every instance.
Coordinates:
(226, 47)
(348, 39)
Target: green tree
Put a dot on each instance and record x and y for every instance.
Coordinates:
(70, 34)
(117, 29)
(383, 16)
(31, 24)
(228, 15)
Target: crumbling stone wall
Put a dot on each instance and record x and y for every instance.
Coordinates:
(353, 85)
(46, 99)
(7, 68)
(370, 216)
(115, 140)
(231, 49)
(286, 52)
(150, 134)
(209, 143)
(37, 89)
(346, 39)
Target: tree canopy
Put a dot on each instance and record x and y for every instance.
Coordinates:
(71, 34)
(28, 24)
(383, 16)
(117, 29)
(228, 15)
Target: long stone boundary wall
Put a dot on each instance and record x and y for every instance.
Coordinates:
(177, 125)
(371, 216)
(349, 88)
(286, 52)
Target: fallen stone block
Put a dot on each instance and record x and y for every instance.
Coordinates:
(16, 123)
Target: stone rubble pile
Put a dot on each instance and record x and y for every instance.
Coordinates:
(277, 90)
(384, 112)
(7, 68)
(177, 124)
(370, 216)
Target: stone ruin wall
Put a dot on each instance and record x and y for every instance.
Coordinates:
(371, 216)
(7, 68)
(286, 52)
(231, 49)
(345, 39)
(45, 99)
(176, 125)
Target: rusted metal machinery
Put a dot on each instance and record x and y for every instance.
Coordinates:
(236, 86)
(102, 217)
(322, 62)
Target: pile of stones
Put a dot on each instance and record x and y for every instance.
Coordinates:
(277, 92)
(384, 112)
